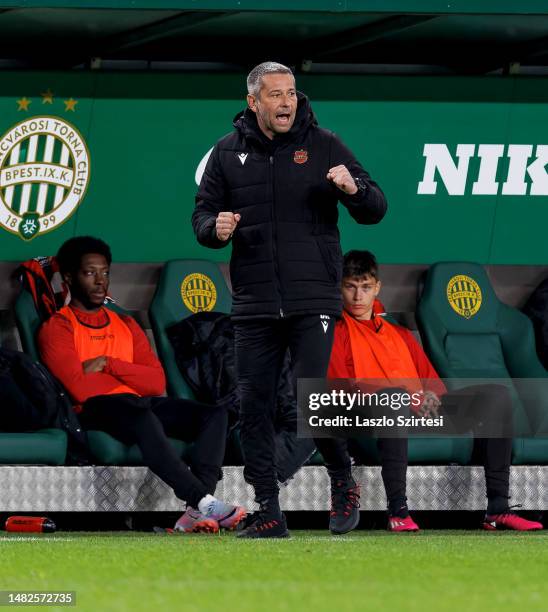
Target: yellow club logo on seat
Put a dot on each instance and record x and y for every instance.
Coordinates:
(464, 295)
(198, 292)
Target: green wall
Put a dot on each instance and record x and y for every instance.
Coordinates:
(146, 134)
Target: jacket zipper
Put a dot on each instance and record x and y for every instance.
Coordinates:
(274, 236)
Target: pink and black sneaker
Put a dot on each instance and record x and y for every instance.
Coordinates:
(397, 524)
(509, 520)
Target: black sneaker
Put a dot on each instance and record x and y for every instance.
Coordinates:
(248, 520)
(345, 506)
(265, 525)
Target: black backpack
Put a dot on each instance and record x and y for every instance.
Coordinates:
(31, 399)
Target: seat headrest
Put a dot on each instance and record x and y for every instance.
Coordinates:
(460, 295)
(188, 286)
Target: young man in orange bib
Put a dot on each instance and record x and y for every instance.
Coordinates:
(107, 365)
(368, 346)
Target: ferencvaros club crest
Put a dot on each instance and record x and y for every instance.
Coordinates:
(198, 292)
(44, 174)
(464, 295)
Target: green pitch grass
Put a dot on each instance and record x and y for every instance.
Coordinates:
(365, 570)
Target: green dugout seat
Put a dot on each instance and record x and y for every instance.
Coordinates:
(105, 449)
(186, 286)
(42, 447)
(469, 333)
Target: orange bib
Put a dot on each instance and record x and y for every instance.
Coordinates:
(381, 354)
(112, 340)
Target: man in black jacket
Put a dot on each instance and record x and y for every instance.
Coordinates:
(271, 188)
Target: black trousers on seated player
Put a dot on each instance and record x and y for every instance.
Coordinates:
(148, 421)
(260, 346)
(474, 406)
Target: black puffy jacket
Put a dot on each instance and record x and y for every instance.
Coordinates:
(286, 255)
(204, 352)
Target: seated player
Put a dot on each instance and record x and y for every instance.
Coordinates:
(107, 365)
(368, 346)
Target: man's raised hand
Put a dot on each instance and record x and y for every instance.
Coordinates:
(341, 178)
(226, 224)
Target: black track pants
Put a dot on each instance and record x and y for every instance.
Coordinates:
(148, 421)
(260, 349)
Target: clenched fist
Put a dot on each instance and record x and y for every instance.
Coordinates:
(226, 224)
(340, 177)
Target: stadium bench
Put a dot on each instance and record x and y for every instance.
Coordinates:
(115, 488)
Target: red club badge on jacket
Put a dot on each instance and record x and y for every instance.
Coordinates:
(300, 156)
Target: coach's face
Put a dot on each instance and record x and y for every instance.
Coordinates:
(89, 285)
(276, 104)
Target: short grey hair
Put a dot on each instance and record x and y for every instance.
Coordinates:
(255, 77)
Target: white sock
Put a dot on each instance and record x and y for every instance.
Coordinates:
(204, 503)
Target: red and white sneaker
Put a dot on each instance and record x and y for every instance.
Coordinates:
(509, 520)
(398, 524)
(193, 521)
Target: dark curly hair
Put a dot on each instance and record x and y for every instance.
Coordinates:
(71, 252)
